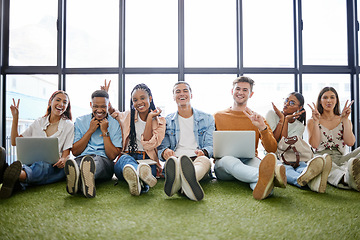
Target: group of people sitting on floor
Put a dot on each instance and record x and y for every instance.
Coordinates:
(180, 146)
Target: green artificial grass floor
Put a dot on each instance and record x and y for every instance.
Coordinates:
(228, 211)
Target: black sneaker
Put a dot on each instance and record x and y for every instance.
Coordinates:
(72, 176)
(3, 164)
(11, 178)
(87, 171)
(172, 176)
(189, 184)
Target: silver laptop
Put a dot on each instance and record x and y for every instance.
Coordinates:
(239, 144)
(34, 149)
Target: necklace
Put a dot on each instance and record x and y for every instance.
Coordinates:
(55, 123)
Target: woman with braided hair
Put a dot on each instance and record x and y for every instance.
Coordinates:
(142, 132)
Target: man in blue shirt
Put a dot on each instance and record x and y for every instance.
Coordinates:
(97, 142)
(188, 138)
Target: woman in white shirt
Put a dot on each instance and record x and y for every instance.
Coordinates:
(291, 122)
(56, 123)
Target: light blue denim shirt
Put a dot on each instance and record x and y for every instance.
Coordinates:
(96, 143)
(204, 126)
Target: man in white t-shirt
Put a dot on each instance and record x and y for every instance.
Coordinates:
(187, 146)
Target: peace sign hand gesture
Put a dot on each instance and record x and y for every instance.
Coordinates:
(106, 87)
(347, 110)
(255, 118)
(315, 113)
(15, 108)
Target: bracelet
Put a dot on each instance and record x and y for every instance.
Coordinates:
(264, 129)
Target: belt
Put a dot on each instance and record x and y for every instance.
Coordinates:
(143, 153)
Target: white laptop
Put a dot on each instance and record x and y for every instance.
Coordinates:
(34, 149)
(239, 144)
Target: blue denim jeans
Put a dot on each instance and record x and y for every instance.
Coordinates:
(40, 173)
(231, 168)
(104, 167)
(129, 159)
(292, 174)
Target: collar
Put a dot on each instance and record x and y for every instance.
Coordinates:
(46, 123)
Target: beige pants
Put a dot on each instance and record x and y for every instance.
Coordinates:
(202, 167)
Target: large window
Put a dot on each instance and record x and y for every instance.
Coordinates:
(33, 33)
(75, 45)
(325, 32)
(210, 33)
(151, 33)
(268, 35)
(92, 36)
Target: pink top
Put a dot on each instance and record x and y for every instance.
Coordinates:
(158, 129)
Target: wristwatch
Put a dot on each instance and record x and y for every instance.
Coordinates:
(107, 134)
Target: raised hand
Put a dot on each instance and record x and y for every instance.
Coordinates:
(106, 87)
(277, 111)
(255, 118)
(347, 110)
(154, 113)
(295, 115)
(315, 113)
(15, 108)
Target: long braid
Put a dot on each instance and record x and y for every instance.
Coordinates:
(133, 147)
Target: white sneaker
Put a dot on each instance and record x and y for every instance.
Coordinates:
(319, 183)
(87, 171)
(132, 178)
(354, 173)
(145, 174)
(72, 176)
(265, 183)
(172, 176)
(189, 183)
(314, 167)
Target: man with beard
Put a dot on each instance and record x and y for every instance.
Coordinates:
(97, 143)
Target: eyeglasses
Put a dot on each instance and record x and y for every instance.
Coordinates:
(291, 102)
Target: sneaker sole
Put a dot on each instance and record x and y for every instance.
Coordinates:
(11, 176)
(170, 173)
(146, 176)
(310, 173)
(356, 172)
(265, 183)
(190, 185)
(325, 174)
(132, 179)
(72, 177)
(280, 176)
(87, 170)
